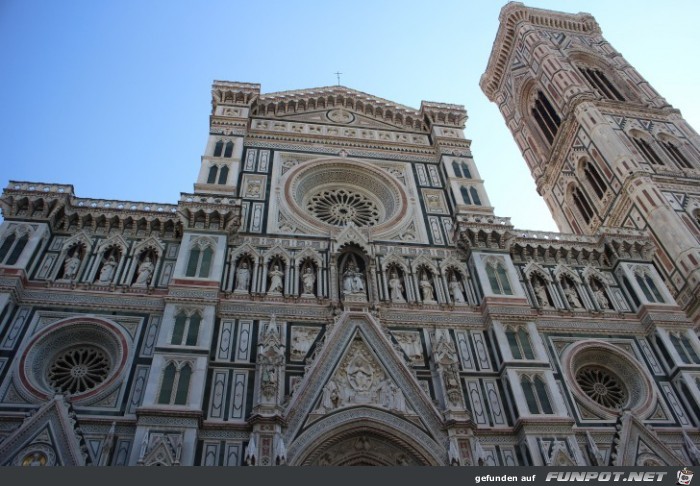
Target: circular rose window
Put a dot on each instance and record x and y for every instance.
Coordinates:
(324, 194)
(341, 206)
(78, 370)
(606, 379)
(602, 386)
(80, 357)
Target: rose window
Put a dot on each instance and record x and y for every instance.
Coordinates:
(78, 370)
(342, 206)
(602, 386)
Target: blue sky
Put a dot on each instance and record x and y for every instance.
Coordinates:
(114, 97)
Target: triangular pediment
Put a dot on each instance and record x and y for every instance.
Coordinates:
(338, 105)
(358, 366)
(638, 446)
(50, 437)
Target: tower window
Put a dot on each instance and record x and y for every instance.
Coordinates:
(646, 283)
(465, 195)
(677, 156)
(546, 117)
(535, 392)
(594, 179)
(600, 83)
(223, 175)
(186, 328)
(582, 204)
(519, 343)
(684, 349)
(456, 168)
(12, 248)
(199, 262)
(218, 148)
(228, 152)
(175, 385)
(649, 153)
(498, 278)
(213, 171)
(475, 196)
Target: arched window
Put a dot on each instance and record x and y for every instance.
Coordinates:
(175, 385)
(465, 170)
(229, 149)
(647, 151)
(223, 175)
(498, 278)
(600, 83)
(519, 343)
(594, 179)
(183, 385)
(542, 396)
(186, 328)
(536, 396)
(12, 248)
(546, 117)
(630, 291)
(465, 195)
(213, 171)
(676, 155)
(685, 349)
(456, 169)
(646, 283)
(199, 263)
(475, 196)
(582, 204)
(218, 148)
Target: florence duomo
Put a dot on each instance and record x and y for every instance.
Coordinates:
(336, 288)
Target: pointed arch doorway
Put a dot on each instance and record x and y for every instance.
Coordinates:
(365, 436)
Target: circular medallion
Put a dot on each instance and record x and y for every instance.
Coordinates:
(340, 116)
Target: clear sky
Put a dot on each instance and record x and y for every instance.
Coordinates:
(114, 96)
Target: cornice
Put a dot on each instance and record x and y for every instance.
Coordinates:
(513, 17)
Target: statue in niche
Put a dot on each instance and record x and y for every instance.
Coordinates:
(456, 290)
(353, 279)
(600, 296)
(144, 272)
(70, 268)
(331, 397)
(242, 277)
(269, 382)
(276, 280)
(107, 271)
(540, 293)
(427, 288)
(571, 295)
(396, 288)
(309, 279)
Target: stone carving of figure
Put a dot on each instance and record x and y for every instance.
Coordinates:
(309, 279)
(269, 381)
(144, 273)
(276, 282)
(571, 296)
(353, 280)
(540, 292)
(107, 271)
(398, 401)
(427, 288)
(70, 268)
(600, 297)
(396, 288)
(242, 277)
(456, 290)
(331, 396)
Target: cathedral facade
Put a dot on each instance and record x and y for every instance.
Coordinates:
(337, 289)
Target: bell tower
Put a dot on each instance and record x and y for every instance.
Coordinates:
(605, 149)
